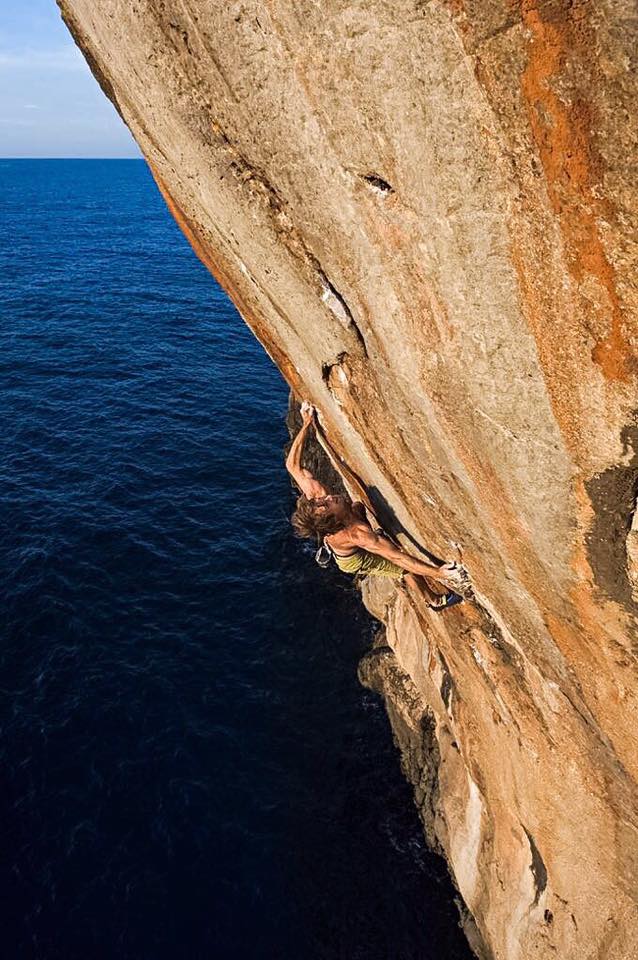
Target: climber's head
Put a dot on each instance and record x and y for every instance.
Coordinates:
(320, 517)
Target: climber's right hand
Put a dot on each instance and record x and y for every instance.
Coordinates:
(454, 574)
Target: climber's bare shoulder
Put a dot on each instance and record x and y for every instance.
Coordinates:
(348, 537)
(362, 535)
(356, 534)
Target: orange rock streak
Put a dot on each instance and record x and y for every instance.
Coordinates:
(560, 131)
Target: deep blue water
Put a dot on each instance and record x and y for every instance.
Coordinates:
(190, 768)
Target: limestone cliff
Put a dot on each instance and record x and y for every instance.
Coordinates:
(425, 210)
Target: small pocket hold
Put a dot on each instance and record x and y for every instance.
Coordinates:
(378, 183)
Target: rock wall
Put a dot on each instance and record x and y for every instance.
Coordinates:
(425, 210)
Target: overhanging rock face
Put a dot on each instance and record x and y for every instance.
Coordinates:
(426, 212)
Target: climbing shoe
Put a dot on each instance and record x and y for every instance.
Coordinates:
(446, 601)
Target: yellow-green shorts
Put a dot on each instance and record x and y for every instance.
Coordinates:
(369, 564)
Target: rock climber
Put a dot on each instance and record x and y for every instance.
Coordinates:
(342, 526)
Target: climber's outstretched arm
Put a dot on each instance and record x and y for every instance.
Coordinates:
(374, 542)
(308, 485)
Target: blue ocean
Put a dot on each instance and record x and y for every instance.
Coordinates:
(190, 768)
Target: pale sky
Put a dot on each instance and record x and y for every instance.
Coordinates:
(50, 105)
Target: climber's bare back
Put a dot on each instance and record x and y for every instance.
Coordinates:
(358, 532)
(359, 535)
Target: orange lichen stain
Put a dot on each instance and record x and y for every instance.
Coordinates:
(559, 357)
(459, 16)
(561, 135)
(456, 9)
(213, 262)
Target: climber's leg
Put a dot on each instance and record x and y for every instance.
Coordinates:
(438, 597)
(431, 591)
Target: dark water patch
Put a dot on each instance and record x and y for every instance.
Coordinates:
(190, 768)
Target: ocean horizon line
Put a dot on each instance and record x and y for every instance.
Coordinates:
(140, 159)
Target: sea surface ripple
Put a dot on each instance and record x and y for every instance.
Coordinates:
(189, 766)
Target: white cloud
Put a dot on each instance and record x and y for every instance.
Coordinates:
(16, 122)
(64, 58)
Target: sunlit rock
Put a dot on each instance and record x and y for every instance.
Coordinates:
(426, 211)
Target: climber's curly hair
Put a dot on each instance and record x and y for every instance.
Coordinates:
(311, 522)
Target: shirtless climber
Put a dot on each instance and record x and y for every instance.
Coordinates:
(342, 526)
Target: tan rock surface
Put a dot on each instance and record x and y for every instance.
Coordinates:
(426, 211)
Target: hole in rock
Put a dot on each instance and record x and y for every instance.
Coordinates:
(378, 183)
